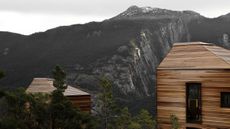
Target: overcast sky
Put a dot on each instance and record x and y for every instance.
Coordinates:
(29, 16)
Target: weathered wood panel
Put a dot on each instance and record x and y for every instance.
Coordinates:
(82, 102)
(171, 96)
(196, 55)
(78, 97)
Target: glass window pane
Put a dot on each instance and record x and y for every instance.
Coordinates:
(193, 100)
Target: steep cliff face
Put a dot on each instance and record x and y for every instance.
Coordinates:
(132, 67)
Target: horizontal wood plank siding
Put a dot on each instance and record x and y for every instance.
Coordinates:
(82, 102)
(171, 96)
(196, 56)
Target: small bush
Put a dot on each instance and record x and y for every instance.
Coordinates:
(174, 122)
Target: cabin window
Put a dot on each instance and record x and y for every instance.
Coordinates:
(193, 102)
(225, 99)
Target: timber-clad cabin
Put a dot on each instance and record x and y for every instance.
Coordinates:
(193, 83)
(78, 97)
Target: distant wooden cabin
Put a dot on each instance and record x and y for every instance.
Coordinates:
(78, 97)
(193, 83)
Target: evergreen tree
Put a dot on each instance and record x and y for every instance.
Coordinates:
(145, 120)
(16, 114)
(39, 109)
(106, 107)
(113, 118)
(142, 121)
(40, 113)
(20, 110)
(59, 79)
(63, 114)
(124, 120)
(59, 105)
(134, 125)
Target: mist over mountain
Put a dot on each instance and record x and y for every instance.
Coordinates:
(126, 48)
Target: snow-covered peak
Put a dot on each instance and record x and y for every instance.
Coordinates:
(146, 9)
(149, 12)
(135, 10)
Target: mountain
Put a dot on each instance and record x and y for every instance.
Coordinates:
(126, 48)
(224, 17)
(135, 12)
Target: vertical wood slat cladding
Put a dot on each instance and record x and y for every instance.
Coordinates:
(171, 96)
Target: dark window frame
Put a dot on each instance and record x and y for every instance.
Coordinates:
(222, 95)
(187, 84)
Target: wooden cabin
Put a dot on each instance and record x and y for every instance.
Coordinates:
(193, 83)
(78, 97)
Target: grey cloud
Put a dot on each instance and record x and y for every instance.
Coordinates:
(102, 7)
(106, 7)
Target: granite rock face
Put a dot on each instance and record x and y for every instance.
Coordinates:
(132, 65)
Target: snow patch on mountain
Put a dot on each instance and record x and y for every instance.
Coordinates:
(149, 12)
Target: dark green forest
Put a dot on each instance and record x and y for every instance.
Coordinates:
(21, 110)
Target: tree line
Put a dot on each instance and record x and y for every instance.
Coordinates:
(21, 110)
